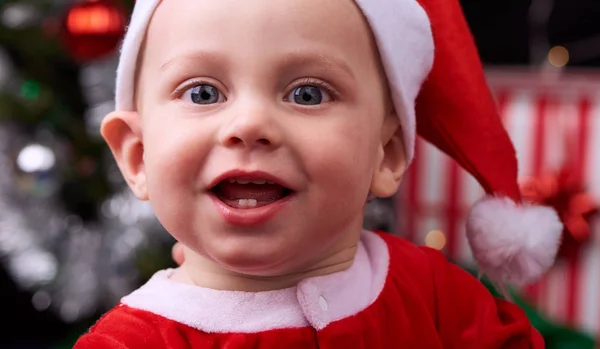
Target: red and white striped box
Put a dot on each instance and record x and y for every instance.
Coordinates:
(550, 118)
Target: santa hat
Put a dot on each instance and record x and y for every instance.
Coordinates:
(440, 93)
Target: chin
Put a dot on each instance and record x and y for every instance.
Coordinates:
(253, 261)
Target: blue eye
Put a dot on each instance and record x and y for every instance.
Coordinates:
(309, 95)
(204, 94)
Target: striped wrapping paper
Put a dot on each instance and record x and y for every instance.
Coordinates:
(549, 118)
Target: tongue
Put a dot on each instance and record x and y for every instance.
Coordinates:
(259, 192)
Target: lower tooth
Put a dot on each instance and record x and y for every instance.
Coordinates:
(247, 202)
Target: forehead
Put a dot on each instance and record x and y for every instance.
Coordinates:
(265, 27)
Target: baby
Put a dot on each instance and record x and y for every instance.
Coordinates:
(259, 129)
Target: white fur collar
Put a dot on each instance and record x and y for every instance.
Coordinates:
(315, 302)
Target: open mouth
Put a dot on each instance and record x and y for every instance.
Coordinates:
(249, 193)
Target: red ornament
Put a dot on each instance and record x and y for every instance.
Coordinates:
(93, 29)
(575, 207)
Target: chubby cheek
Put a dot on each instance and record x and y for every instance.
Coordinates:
(341, 168)
(173, 154)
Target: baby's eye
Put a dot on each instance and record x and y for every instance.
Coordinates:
(309, 95)
(203, 94)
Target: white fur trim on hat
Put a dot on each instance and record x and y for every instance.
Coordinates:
(403, 33)
(512, 243)
(130, 50)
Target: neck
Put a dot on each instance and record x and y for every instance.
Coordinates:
(202, 272)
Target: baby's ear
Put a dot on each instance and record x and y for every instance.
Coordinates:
(123, 133)
(391, 159)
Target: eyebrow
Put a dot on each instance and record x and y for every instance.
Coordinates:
(309, 57)
(206, 56)
(294, 58)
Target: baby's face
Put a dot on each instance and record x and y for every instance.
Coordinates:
(261, 124)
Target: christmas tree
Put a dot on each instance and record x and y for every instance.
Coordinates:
(73, 240)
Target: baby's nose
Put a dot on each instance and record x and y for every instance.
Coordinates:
(251, 128)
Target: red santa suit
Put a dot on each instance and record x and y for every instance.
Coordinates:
(395, 295)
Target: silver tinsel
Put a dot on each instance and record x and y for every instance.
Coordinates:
(70, 267)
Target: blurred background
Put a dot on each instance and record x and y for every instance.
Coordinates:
(73, 239)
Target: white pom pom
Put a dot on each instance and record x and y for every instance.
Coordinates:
(514, 244)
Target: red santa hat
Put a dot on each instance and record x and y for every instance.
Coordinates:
(440, 93)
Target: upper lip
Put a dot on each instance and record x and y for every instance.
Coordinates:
(248, 175)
